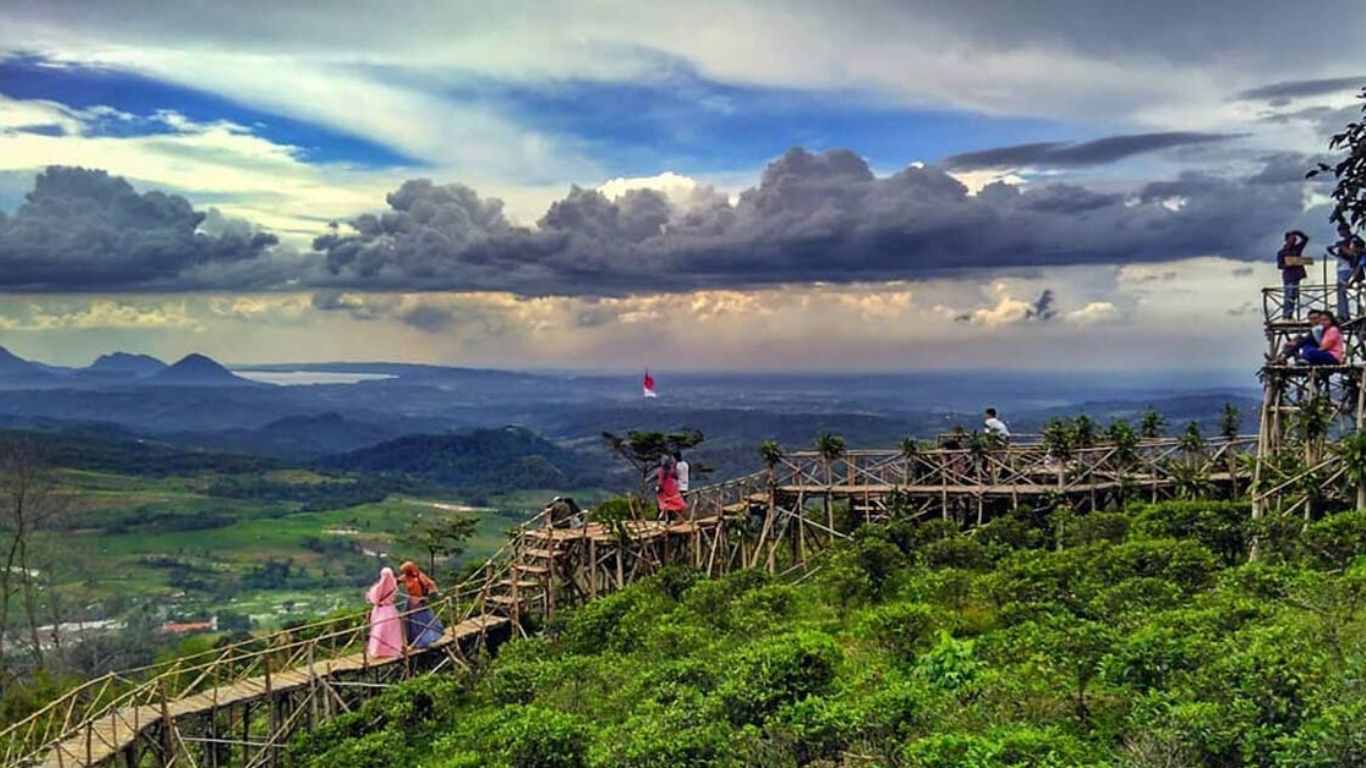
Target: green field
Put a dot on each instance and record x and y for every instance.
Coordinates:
(125, 540)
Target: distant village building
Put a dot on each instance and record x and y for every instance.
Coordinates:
(190, 627)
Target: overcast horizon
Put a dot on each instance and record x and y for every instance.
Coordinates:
(718, 187)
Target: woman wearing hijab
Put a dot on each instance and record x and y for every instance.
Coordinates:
(423, 626)
(386, 630)
(669, 498)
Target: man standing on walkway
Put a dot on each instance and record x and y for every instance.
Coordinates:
(681, 469)
(995, 427)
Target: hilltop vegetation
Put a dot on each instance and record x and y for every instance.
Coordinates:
(1138, 638)
(507, 458)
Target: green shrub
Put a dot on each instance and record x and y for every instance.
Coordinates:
(1221, 526)
(817, 728)
(902, 629)
(1337, 540)
(955, 552)
(771, 672)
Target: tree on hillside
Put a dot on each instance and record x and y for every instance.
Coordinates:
(1352, 451)
(831, 447)
(1152, 425)
(1192, 442)
(1230, 422)
(771, 453)
(28, 503)
(1350, 192)
(442, 537)
(1083, 431)
(643, 450)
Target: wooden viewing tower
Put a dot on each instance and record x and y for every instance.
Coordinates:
(1303, 407)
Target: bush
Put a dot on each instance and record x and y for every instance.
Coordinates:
(902, 629)
(955, 552)
(1338, 540)
(1221, 526)
(818, 728)
(771, 672)
(603, 624)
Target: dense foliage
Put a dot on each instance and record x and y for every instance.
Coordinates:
(1137, 638)
(499, 459)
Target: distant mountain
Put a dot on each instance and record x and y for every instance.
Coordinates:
(128, 364)
(507, 458)
(297, 438)
(16, 370)
(196, 370)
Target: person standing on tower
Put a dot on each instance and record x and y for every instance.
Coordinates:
(1292, 271)
(1348, 252)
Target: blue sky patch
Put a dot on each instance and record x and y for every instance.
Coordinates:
(686, 123)
(85, 87)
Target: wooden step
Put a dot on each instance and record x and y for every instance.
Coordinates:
(506, 600)
(520, 584)
(539, 554)
(524, 568)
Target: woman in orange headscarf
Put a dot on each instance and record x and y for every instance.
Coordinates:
(423, 626)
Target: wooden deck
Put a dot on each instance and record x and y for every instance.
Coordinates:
(106, 737)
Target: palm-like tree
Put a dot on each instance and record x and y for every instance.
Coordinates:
(1230, 422)
(1125, 442)
(1084, 431)
(1192, 442)
(1352, 451)
(1313, 421)
(831, 447)
(1058, 444)
(1152, 425)
(772, 455)
(910, 449)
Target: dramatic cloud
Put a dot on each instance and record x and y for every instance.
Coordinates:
(1291, 167)
(1064, 155)
(1281, 94)
(86, 230)
(812, 218)
(1009, 310)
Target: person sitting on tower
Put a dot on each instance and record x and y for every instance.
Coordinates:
(1292, 272)
(1331, 349)
(1292, 348)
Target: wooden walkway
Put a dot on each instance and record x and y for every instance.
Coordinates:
(118, 731)
(198, 710)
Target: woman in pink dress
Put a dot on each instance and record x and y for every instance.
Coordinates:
(386, 629)
(669, 498)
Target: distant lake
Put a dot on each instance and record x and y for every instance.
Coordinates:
(301, 378)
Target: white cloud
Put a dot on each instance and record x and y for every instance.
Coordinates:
(1094, 313)
(676, 187)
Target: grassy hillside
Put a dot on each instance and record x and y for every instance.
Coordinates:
(1117, 639)
(180, 543)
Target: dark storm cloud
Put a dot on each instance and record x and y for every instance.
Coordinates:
(1069, 155)
(812, 218)
(83, 229)
(1280, 94)
(1291, 167)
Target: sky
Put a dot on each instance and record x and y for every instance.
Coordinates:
(713, 185)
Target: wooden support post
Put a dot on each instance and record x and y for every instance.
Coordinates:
(246, 732)
(167, 746)
(592, 569)
(273, 713)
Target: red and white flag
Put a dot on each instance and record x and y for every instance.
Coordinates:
(649, 385)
